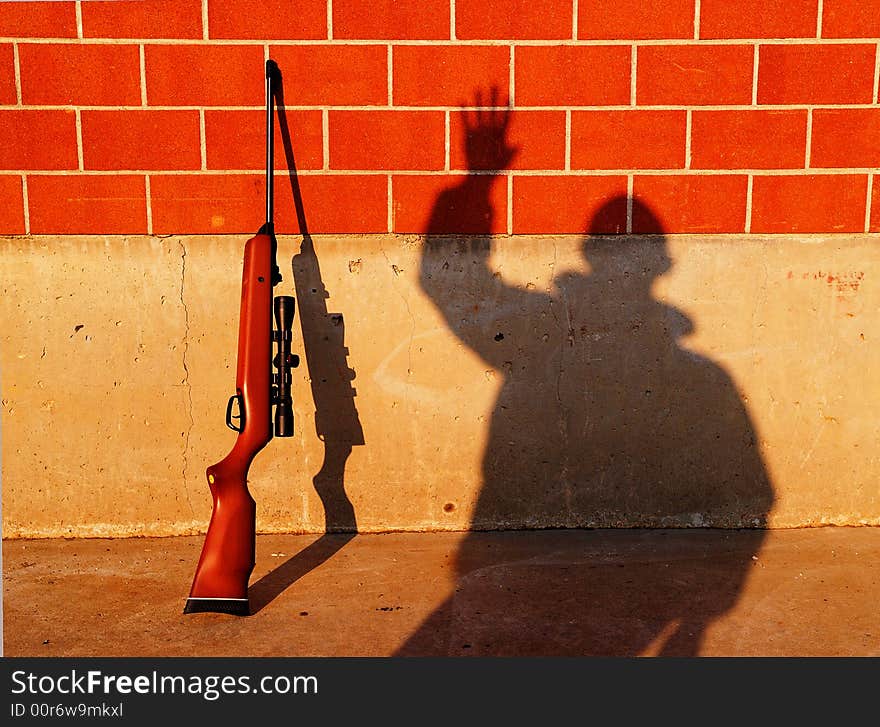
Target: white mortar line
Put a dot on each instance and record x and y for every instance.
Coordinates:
(557, 172)
(511, 78)
(696, 19)
(142, 63)
(79, 19)
(510, 203)
(574, 19)
(16, 69)
(390, 63)
(748, 226)
(755, 75)
(385, 108)
(452, 29)
(265, 52)
(809, 144)
(676, 172)
(205, 35)
(632, 75)
(26, 205)
(149, 200)
(79, 140)
(446, 142)
(568, 140)
(329, 19)
(819, 20)
(325, 139)
(876, 72)
(687, 139)
(443, 42)
(390, 204)
(203, 140)
(629, 203)
(868, 203)
(333, 237)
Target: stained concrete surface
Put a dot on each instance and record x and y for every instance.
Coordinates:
(511, 382)
(577, 592)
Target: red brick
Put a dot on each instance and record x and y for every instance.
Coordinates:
(7, 74)
(628, 139)
(513, 19)
(142, 19)
(568, 205)
(141, 140)
(696, 75)
(333, 75)
(87, 75)
(758, 18)
(391, 19)
(87, 204)
(688, 203)
(845, 138)
(237, 139)
(34, 139)
(38, 19)
(233, 203)
(262, 19)
(12, 209)
(387, 139)
(205, 75)
(334, 204)
(567, 75)
(816, 74)
(635, 19)
(851, 19)
(538, 138)
(809, 203)
(214, 203)
(427, 75)
(875, 205)
(748, 139)
(456, 204)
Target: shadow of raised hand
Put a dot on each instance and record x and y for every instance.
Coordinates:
(485, 134)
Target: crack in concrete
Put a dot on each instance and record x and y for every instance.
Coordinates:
(186, 381)
(412, 331)
(564, 335)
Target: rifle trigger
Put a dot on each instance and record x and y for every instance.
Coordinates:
(235, 399)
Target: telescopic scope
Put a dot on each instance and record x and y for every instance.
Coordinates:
(284, 361)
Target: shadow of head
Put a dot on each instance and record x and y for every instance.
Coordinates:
(604, 247)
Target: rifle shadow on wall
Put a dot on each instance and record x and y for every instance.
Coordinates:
(336, 417)
(603, 418)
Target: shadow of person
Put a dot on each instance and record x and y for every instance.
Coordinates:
(337, 422)
(603, 419)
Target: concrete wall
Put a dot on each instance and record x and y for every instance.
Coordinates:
(680, 381)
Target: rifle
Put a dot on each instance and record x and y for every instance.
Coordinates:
(221, 580)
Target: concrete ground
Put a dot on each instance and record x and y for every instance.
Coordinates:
(626, 592)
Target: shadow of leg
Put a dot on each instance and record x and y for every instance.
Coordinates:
(685, 640)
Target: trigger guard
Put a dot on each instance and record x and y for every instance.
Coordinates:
(229, 415)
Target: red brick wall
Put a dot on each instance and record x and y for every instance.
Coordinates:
(723, 115)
